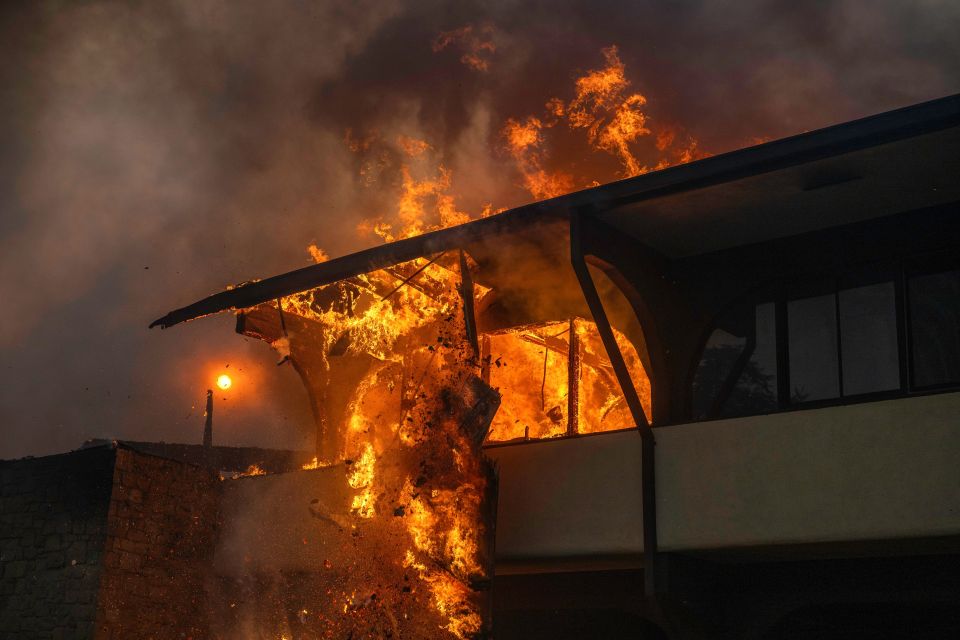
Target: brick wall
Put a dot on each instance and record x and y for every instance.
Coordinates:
(53, 514)
(161, 533)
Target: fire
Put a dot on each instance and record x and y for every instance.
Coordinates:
(224, 381)
(476, 44)
(253, 470)
(613, 119)
(402, 328)
(523, 142)
(406, 397)
(542, 409)
(416, 196)
(361, 477)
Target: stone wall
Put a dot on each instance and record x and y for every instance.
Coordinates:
(160, 539)
(53, 516)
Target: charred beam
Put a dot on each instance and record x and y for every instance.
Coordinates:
(469, 312)
(485, 359)
(413, 275)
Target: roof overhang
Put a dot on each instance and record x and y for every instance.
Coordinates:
(876, 166)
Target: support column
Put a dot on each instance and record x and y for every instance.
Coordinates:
(648, 476)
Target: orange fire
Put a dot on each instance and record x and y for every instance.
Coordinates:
(524, 140)
(391, 351)
(476, 44)
(614, 121)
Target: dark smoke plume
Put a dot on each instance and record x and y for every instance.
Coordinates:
(152, 152)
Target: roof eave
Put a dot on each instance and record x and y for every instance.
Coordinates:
(866, 132)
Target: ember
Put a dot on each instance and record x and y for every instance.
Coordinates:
(402, 415)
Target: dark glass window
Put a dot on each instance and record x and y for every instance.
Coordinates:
(868, 339)
(719, 356)
(846, 336)
(935, 328)
(737, 374)
(755, 390)
(812, 330)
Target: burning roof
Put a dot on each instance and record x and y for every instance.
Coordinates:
(646, 205)
(416, 352)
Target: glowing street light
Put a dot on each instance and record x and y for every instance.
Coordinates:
(224, 381)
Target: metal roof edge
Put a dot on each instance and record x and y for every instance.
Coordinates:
(889, 126)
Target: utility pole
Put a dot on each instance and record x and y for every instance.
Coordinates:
(208, 424)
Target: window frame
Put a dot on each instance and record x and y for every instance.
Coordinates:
(924, 264)
(781, 291)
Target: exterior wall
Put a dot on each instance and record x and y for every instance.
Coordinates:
(162, 525)
(53, 514)
(569, 498)
(869, 471)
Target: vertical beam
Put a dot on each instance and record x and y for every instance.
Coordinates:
(485, 359)
(573, 381)
(467, 293)
(648, 475)
(208, 423)
(836, 307)
(783, 350)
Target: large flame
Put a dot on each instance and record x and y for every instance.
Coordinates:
(613, 119)
(392, 345)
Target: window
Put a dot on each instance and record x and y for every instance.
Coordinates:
(812, 326)
(531, 367)
(935, 328)
(737, 374)
(843, 344)
(823, 341)
(868, 328)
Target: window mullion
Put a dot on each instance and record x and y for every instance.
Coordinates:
(836, 303)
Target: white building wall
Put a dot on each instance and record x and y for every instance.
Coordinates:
(866, 471)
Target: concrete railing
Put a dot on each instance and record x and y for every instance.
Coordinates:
(868, 471)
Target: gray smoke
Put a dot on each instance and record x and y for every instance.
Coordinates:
(152, 152)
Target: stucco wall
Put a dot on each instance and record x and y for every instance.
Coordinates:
(859, 472)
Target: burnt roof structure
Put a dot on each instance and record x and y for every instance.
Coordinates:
(846, 173)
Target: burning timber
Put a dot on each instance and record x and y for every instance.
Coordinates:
(578, 302)
(404, 501)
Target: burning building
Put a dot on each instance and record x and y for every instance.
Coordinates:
(714, 400)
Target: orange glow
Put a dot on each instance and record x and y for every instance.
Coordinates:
(224, 381)
(476, 45)
(614, 120)
(540, 409)
(391, 343)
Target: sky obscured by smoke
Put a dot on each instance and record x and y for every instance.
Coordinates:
(153, 152)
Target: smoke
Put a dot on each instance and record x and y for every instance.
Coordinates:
(151, 153)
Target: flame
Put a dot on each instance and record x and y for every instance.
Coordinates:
(253, 470)
(402, 328)
(541, 410)
(523, 142)
(400, 321)
(412, 207)
(613, 119)
(476, 44)
(317, 254)
(361, 477)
